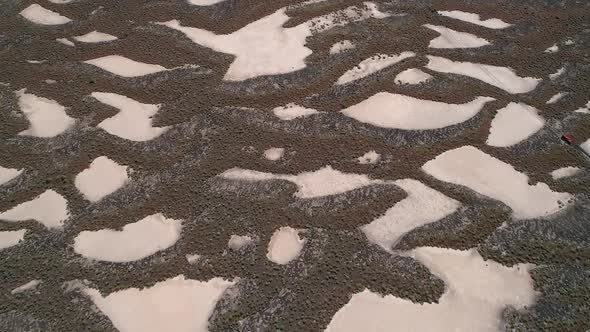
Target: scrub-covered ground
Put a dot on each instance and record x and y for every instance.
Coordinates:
(276, 165)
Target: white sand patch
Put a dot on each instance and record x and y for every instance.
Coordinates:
(284, 246)
(274, 154)
(412, 76)
(556, 97)
(552, 49)
(328, 181)
(36, 61)
(558, 73)
(46, 117)
(7, 174)
(265, 47)
(41, 15)
(450, 38)
(311, 2)
(49, 208)
(176, 304)
(135, 241)
(134, 120)
(95, 37)
(192, 258)
(101, 178)
(476, 293)
(372, 65)
(422, 206)
(48, 81)
(28, 286)
(122, 66)
(513, 124)
(324, 182)
(341, 46)
(501, 77)
(492, 23)
(66, 42)
(60, 2)
(204, 2)
(247, 175)
(584, 109)
(389, 110)
(293, 111)
(237, 242)
(11, 238)
(565, 172)
(370, 157)
(586, 146)
(468, 166)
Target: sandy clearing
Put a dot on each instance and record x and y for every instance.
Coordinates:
(66, 42)
(285, 245)
(176, 304)
(514, 124)
(501, 77)
(293, 111)
(274, 154)
(412, 76)
(395, 111)
(586, 145)
(41, 15)
(372, 65)
(325, 181)
(492, 23)
(122, 66)
(47, 117)
(134, 120)
(584, 109)
(11, 238)
(450, 38)
(49, 208)
(95, 37)
(422, 206)
(102, 177)
(467, 166)
(265, 47)
(7, 174)
(565, 172)
(237, 242)
(134, 242)
(558, 73)
(556, 97)
(476, 293)
(370, 157)
(26, 287)
(552, 49)
(192, 258)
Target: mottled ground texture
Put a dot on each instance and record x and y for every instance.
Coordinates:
(216, 125)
